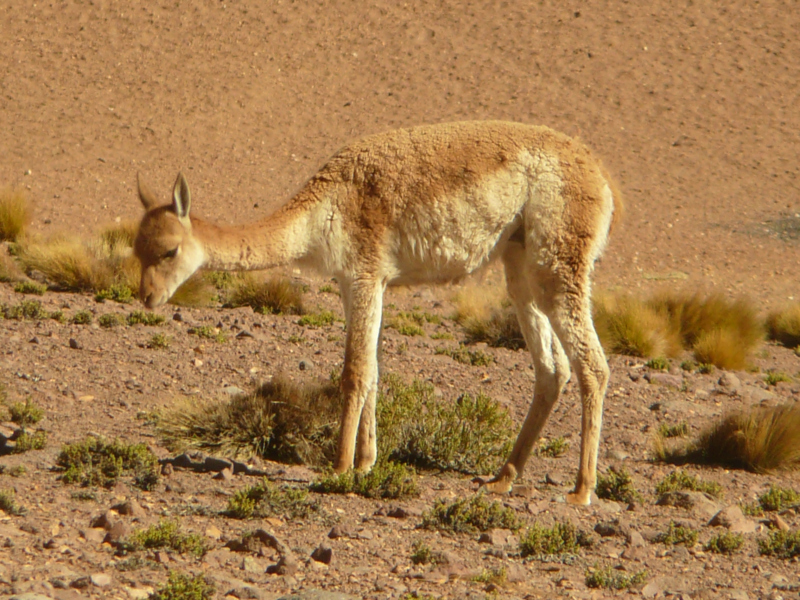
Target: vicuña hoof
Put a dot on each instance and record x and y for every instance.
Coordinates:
(495, 485)
(577, 498)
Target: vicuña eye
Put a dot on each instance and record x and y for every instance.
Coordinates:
(171, 253)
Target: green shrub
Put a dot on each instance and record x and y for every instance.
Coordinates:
(553, 448)
(781, 544)
(167, 535)
(681, 480)
(184, 587)
(562, 538)
(208, 333)
(159, 341)
(140, 317)
(469, 515)
(25, 414)
(421, 554)
(30, 441)
(386, 480)
(116, 292)
(659, 364)
(266, 500)
(320, 319)
(776, 377)
(725, 543)
(495, 577)
(617, 485)
(470, 435)
(9, 505)
(777, 498)
(476, 358)
(82, 317)
(610, 579)
(110, 320)
(30, 287)
(678, 534)
(97, 462)
(27, 309)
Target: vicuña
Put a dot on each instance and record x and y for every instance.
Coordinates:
(423, 205)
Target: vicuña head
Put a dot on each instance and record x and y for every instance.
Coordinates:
(424, 205)
(165, 246)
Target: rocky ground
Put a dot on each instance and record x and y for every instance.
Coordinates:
(690, 105)
(90, 379)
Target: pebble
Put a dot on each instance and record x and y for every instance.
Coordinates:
(323, 554)
(73, 343)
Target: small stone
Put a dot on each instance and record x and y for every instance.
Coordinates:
(732, 518)
(636, 540)
(167, 469)
(554, 479)
(117, 533)
(617, 455)
(213, 532)
(699, 503)
(138, 593)
(100, 579)
(777, 522)
(81, 583)
(73, 343)
(212, 463)
(522, 490)
(177, 317)
(338, 531)
(33, 340)
(728, 384)
(398, 512)
(287, 565)
(105, 521)
(131, 508)
(323, 554)
(224, 475)
(305, 365)
(251, 565)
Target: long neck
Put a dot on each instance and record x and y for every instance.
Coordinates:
(279, 239)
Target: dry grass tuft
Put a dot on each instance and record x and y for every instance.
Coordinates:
(486, 315)
(783, 326)
(73, 265)
(196, 291)
(630, 326)
(722, 348)
(9, 271)
(282, 421)
(119, 237)
(15, 214)
(276, 295)
(759, 439)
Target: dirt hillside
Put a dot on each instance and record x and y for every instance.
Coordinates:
(693, 107)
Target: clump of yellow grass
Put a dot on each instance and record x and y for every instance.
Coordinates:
(631, 326)
(273, 295)
(486, 315)
(760, 439)
(783, 326)
(15, 215)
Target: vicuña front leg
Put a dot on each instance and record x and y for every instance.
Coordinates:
(357, 436)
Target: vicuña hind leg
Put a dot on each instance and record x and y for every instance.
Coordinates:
(570, 316)
(549, 361)
(363, 307)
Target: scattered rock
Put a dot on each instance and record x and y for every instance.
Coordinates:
(213, 463)
(338, 531)
(233, 391)
(100, 579)
(777, 522)
(611, 528)
(105, 521)
(287, 565)
(305, 365)
(665, 379)
(224, 475)
(131, 508)
(554, 479)
(732, 518)
(728, 384)
(665, 585)
(617, 455)
(323, 554)
(698, 503)
(251, 564)
(74, 344)
(117, 533)
(318, 595)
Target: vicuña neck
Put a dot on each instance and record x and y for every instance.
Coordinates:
(276, 240)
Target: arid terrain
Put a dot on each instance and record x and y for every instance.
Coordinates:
(691, 106)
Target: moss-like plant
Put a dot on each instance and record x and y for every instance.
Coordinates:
(110, 320)
(781, 544)
(681, 480)
(209, 333)
(266, 500)
(469, 515)
(562, 538)
(617, 485)
(117, 293)
(159, 341)
(140, 317)
(184, 587)
(386, 480)
(611, 579)
(725, 543)
(318, 319)
(25, 413)
(30, 287)
(82, 317)
(678, 534)
(167, 535)
(462, 354)
(9, 505)
(98, 462)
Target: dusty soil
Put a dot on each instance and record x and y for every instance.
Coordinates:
(692, 107)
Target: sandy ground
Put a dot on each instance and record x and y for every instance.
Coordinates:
(692, 107)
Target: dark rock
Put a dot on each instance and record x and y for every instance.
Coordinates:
(287, 565)
(74, 344)
(131, 508)
(554, 479)
(699, 503)
(338, 531)
(105, 521)
(323, 554)
(117, 533)
(224, 475)
(212, 463)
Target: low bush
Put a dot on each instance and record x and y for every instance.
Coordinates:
(611, 579)
(9, 505)
(469, 515)
(725, 543)
(386, 480)
(781, 544)
(166, 535)
(678, 534)
(681, 480)
(562, 538)
(617, 485)
(184, 587)
(98, 462)
(266, 500)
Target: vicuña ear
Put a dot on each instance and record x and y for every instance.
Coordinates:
(145, 195)
(181, 197)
